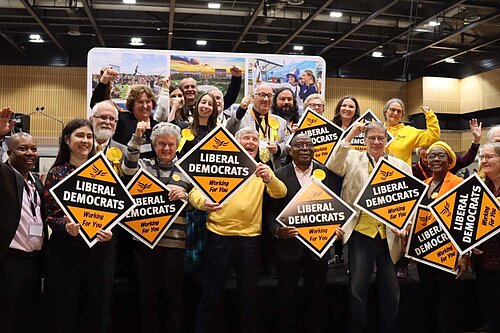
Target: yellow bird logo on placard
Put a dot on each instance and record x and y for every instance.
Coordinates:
(425, 219)
(142, 187)
(219, 143)
(446, 210)
(97, 172)
(314, 194)
(386, 174)
(310, 121)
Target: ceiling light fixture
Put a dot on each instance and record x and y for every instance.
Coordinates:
(214, 5)
(129, 2)
(335, 14)
(434, 23)
(136, 41)
(262, 39)
(377, 54)
(298, 47)
(74, 30)
(450, 60)
(36, 38)
(201, 42)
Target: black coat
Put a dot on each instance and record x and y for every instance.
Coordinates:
(292, 249)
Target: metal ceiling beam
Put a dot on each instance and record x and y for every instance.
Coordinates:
(13, 43)
(93, 22)
(440, 40)
(171, 15)
(45, 28)
(405, 32)
(473, 48)
(249, 24)
(309, 19)
(360, 25)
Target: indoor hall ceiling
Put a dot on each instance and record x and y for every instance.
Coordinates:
(468, 31)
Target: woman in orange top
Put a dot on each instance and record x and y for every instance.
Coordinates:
(441, 289)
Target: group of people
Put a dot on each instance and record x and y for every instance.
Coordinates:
(213, 240)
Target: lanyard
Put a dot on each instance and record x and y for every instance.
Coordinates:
(32, 197)
(423, 171)
(371, 160)
(259, 125)
(157, 169)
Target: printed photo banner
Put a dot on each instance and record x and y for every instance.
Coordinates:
(154, 213)
(391, 195)
(94, 197)
(324, 134)
(209, 69)
(316, 212)
(429, 244)
(358, 142)
(218, 165)
(469, 213)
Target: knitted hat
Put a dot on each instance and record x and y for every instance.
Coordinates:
(449, 151)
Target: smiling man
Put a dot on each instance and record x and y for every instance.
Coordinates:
(368, 239)
(22, 240)
(233, 240)
(271, 128)
(292, 257)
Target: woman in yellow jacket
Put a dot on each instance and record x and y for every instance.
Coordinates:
(406, 138)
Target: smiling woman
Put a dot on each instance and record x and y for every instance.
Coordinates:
(168, 255)
(406, 138)
(72, 267)
(486, 259)
(441, 289)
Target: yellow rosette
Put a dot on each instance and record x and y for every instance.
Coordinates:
(319, 174)
(275, 125)
(186, 135)
(115, 155)
(176, 178)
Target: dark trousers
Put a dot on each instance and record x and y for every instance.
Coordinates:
(78, 286)
(20, 287)
(221, 254)
(441, 292)
(363, 251)
(159, 278)
(288, 309)
(488, 286)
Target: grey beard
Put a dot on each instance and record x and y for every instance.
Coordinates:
(103, 134)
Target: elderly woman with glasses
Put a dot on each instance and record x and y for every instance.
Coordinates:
(441, 289)
(486, 258)
(160, 271)
(315, 102)
(407, 138)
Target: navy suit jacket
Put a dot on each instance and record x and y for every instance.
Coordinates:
(292, 249)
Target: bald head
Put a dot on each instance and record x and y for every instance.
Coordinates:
(23, 152)
(263, 98)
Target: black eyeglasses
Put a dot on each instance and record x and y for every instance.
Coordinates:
(441, 156)
(299, 145)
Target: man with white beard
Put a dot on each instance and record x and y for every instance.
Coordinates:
(104, 117)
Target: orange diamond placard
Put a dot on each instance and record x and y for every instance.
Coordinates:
(94, 197)
(154, 213)
(218, 165)
(469, 213)
(358, 142)
(429, 244)
(316, 212)
(391, 195)
(323, 133)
